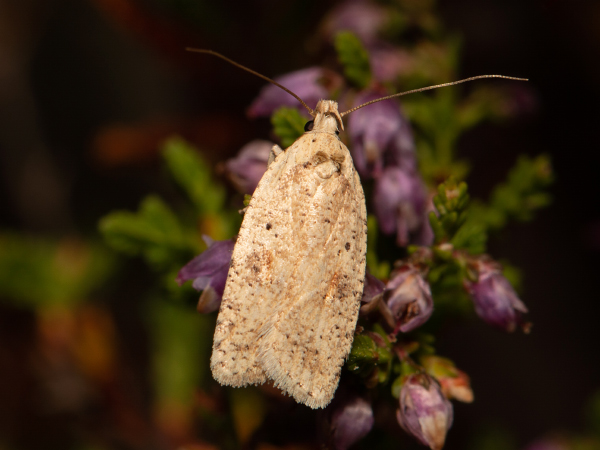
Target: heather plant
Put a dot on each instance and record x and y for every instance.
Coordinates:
(427, 260)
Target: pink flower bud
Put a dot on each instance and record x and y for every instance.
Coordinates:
(424, 411)
(409, 298)
(496, 302)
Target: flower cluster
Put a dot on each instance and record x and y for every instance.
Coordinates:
(383, 148)
(440, 242)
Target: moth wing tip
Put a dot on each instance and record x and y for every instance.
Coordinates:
(308, 397)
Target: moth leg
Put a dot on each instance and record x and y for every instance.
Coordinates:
(275, 152)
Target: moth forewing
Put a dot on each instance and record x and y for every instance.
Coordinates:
(293, 291)
(235, 343)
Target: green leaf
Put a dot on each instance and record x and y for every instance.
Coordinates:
(288, 125)
(363, 356)
(366, 355)
(397, 386)
(354, 57)
(471, 236)
(180, 354)
(522, 193)
(38, 272)
(154, 232)
(193, 174)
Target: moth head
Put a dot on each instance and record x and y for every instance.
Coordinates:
(327, 117)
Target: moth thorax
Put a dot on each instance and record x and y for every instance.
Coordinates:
(327, 117)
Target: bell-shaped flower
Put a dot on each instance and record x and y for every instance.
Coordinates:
(209, 272)
(424, 411)
(400, 203)
(250, 164)
(311, 85)
(495, 300)
(380, 135)
(351, 420)
(408, 297)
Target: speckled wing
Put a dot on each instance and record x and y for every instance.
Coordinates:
(250, 291)
(291, 302)
(304, 346)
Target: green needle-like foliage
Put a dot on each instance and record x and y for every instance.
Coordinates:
(288, 125)
(154, 231)
(354, 58)
(194, 176)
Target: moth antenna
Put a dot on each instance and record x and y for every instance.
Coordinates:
(230, 61)
(428, 88)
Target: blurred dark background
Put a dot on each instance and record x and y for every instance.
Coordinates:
(89, 88)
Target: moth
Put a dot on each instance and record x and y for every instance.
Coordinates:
(296, 277)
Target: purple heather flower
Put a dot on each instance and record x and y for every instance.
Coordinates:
(380, 135)
(424, 411)
(351, 420)
(495, 300)
(372, 300)
(388, 62)
(250, 164)
(373, 287)
(311, 85)
(409, 298)
(209, 272)
(400, 202)
(358, 16)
